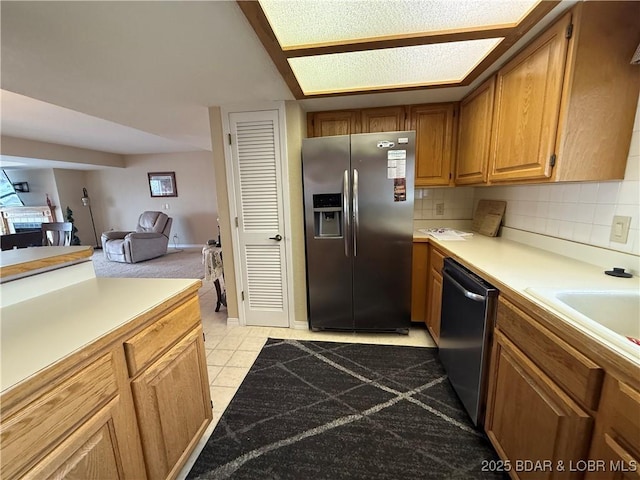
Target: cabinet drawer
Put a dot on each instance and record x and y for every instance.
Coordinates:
(154, 340)
(436, 260)
(47, 419)
(563, 363)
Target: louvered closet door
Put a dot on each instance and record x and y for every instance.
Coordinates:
(255, 139)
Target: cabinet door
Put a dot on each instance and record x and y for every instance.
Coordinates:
(435, 306)
(474, 135)
(173, 404)
(527, 107)
(419, 276)
(82, 424)
(434, 126)
(91, 452)
(434, 289)
(616, 441)
(529, 417)
(386, 119)
(326, 124)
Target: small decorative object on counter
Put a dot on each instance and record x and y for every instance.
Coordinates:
(618, 272)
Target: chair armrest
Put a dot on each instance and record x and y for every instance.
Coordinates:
(144, 235)
(114, 235)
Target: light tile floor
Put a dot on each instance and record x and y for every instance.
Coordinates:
(231, 351)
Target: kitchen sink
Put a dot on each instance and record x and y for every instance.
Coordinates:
(607, 311)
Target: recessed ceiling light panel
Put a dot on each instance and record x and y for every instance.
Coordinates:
(443, 63)
(306, 23)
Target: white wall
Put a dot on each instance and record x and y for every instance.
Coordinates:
(69, 184)
(296, 131)
(581, 212)
(119, 196)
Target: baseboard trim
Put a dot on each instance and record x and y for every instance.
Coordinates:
(298, 325)
(184, 245)
(233, 322)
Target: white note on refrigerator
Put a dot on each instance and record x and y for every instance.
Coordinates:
(396, 168)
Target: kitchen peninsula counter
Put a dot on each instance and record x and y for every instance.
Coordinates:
(94, 370)
(30, 261)
(36, 333)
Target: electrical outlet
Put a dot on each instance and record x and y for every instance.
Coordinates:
(620, 229)
(439, 208)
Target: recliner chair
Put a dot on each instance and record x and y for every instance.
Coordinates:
(150, 240)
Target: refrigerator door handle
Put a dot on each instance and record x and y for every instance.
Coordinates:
(356, 220)
(345, 212)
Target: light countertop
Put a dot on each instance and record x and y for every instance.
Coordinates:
(24, 261)
(36, 333)
(518, 267)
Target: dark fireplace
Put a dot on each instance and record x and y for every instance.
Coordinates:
(25, 227)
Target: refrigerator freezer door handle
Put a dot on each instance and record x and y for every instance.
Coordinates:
(345, 212)
(356, 223)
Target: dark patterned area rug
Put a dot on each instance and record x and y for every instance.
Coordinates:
(320, 410)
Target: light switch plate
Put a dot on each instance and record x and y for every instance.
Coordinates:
(620, 229)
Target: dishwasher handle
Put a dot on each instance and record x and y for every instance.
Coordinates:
(470, 295)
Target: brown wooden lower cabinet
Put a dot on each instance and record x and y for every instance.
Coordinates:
(553, 410)
(82, 426)
(530, 418)
(615, 451)
(89, 416)
(171, 396)
(419, 275)
(90, 452)
(434, 295)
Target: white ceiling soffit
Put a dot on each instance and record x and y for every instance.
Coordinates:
(21, 163)
(154, 67)
(25, 117)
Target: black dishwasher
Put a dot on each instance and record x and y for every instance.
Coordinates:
(468, 315)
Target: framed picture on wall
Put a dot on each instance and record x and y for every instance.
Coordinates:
(162, 184)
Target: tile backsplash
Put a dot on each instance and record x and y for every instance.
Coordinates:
(582, 212)
(456, 203)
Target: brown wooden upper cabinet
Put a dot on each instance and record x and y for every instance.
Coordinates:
(565, 105)
(434, 126)
(474, 135)
(327, 124)
(529, 89)
(384, 119)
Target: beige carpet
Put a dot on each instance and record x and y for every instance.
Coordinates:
(185, 263)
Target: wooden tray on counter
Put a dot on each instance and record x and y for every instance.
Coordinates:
(488, 217)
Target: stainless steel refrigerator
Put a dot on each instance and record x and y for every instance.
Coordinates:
(358, 205)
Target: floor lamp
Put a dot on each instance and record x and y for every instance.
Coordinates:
(86, 202)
